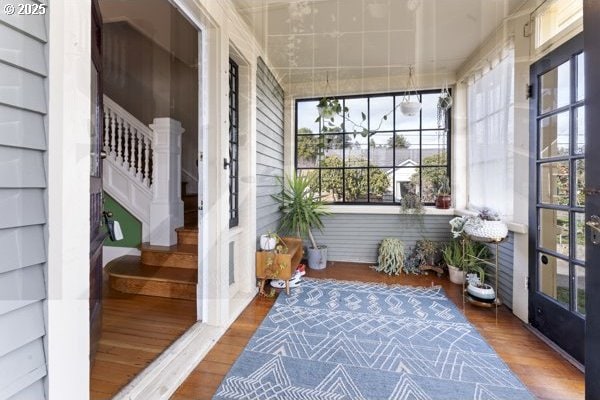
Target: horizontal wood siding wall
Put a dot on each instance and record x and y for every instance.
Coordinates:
(505, 269)
(356, 237)
(23, 204)
(269, 147)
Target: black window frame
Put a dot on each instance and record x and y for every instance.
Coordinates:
(234, 114)
(394, 131)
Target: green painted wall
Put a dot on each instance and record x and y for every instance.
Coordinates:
(131, 227)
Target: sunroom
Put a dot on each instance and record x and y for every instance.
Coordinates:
(405, 118)
(353, 199)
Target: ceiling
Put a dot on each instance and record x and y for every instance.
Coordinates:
(355, 39)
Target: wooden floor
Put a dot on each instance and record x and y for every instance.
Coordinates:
(542, 370)
(135, 330)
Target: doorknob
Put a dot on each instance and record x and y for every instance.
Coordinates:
(594, 224)
(103, 154)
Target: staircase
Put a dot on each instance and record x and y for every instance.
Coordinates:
(162, 271)
(142, 171)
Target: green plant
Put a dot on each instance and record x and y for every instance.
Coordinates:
(443, 186)
(475, 254)
(391, 257)
(411, 204)
(452, 254)
(301, 207)
(427, 251)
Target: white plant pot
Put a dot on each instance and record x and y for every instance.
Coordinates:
(484, 293)
(267, 243)
(456, 275)
(410, 108)
(487, 230)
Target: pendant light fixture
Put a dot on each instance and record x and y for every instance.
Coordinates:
(410, 104)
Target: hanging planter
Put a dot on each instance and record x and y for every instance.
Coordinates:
(410, 104)
(444, 104)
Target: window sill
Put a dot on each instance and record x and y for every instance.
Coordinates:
(515, 227)
(370, 209)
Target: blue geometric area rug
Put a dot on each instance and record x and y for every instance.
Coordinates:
(350, 340)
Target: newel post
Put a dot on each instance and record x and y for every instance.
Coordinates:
(166, 211)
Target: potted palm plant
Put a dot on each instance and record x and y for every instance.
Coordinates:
(301, 211)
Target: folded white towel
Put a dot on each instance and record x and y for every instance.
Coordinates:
(117, 231)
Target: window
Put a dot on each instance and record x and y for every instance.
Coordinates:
(233, 144)
(555, 17)
(490, 98)
(372, 153)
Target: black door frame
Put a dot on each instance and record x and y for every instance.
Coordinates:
(565, 325)
(591, 21)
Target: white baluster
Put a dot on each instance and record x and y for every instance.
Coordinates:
(113, 118)
(106, 129)
(120, 124)
(126, 146)
(146, 180)
(132, 164)
(138, 174)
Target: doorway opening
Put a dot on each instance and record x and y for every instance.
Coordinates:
(557, 211)
(150, 182)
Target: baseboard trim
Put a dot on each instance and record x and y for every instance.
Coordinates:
(556, 348)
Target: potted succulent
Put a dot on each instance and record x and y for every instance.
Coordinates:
(477, 288)
(301, 211)
(443, 199)
(391, 257)
(486, 227)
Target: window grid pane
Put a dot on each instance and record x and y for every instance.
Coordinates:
(374, 154)
(233, 144)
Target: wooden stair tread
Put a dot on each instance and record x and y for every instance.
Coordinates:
(188, 249)
(131, 267)
(187, 229)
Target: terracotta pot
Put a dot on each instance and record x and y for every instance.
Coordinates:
(443, 201)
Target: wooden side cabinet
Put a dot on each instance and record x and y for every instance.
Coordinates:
(272, 265)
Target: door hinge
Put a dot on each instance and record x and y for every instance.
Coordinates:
(528, 91)
(201, 205)
(201, 156)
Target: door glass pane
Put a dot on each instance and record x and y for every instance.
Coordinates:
(580, 130)
(554, 278)
(580, 183)
(580, 236)
(554, 231)
(554, 183)
(580, 288)
(554, 135)
(580, 77)
(555, 88)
